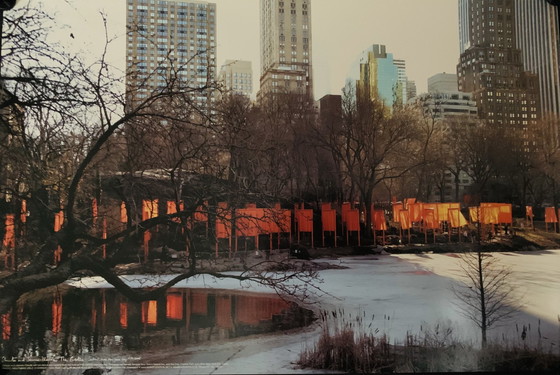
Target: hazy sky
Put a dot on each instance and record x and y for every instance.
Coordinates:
(422, 32)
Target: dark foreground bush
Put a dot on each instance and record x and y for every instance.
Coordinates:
(346, 344)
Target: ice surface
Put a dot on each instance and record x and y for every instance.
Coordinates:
(396, 293)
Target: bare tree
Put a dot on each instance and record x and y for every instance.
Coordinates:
(371, 145)
(487, 295)
(72, 122)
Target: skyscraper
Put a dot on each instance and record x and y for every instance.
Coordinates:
(286, 48)
(539, 41)
(491, 68)
(402, 80)
(376, 74)
(237, 77)
(170, 40)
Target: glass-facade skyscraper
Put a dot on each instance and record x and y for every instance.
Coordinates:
(377, 75)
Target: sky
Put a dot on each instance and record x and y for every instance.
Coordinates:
(422, 32)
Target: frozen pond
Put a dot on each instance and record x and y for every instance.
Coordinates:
(396, 293)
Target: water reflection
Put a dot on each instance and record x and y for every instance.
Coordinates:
(75, 322)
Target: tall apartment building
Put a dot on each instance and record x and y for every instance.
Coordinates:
(237, 77)
(491, 67)
(286, 48)
(170, 40)
(538, 39)
(376, 74)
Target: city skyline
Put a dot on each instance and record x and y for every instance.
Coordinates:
(340, 32)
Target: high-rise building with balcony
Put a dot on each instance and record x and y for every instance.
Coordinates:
(170, 41)
(237, 77)
(286, 48)
(538, 39)
(491, 68)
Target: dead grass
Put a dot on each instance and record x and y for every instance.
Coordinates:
(347, 344)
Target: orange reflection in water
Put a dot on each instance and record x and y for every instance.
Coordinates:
(149, 312)
(199, 303)
(6, 326)
(56, 315)
(223, 312)
(123, 314)
(251, 310)
(174, 306)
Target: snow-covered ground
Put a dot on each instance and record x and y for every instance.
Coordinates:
(397, 294)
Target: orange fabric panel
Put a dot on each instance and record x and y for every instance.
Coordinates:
(430, 220)
(223, 225)
(353, 220)
(174, 306)
(251, 205)
(23, 210)
(223, 312)
(149, 312)
(286, 224)
(201, 214)
(489, 214)
(396, 209)
(456, 218)
(529, 211)
(505, 215)
(199, 301)
(328, 218)
(58, 221)
(346, 206)
(9, 240)
(305, 220)
(124, 215)
(56, 316)
(94, 210)
(404, 219)
(409, 201)
(171, 207)
(443, 209)
(6, 326)
(261, 221)
(473, 214)
(123, 314)
(379, 221)
(326, 206)
(149, 209)
(434, 207)
(245, 223)
(415, 212)
(271, 219)
(550, 215)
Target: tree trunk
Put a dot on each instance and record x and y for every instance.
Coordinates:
(483, 318)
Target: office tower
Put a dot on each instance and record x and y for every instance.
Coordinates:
(237, 77)
(442, 82)
(170, 41)
(410, 90)
(539, 41)
(444, 101)
(402, 79)
(286, 48)
(375, 75)
(491, 68)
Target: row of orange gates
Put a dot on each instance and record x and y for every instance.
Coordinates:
(251, 221)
